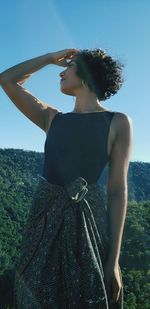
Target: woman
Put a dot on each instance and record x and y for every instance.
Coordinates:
(71, 245)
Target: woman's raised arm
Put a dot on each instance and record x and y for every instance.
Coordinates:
(12, 79)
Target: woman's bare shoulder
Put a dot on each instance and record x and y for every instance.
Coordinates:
(121, 120)
(121, 124)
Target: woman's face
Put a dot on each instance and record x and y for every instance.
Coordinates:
(70, 82)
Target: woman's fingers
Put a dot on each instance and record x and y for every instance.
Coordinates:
(115, 293)
(62, 62)
(68, 55)
(113, 282)
(116, 289)
(71, 52)
(60, 58)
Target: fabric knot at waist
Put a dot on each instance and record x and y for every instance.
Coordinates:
(77, 189)
(74, 191)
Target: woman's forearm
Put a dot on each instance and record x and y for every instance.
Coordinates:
(117, 206)
(19, 71)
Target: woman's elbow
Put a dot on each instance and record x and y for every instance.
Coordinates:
(120, 189)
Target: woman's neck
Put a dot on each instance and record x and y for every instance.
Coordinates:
(87, 104)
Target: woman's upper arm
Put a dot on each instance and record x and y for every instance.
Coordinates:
(120, 154)
(36, 110)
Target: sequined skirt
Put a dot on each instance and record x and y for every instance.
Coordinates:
(64, 249)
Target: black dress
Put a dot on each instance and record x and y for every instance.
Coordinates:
(65, 242)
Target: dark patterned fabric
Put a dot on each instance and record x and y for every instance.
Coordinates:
(64, 249)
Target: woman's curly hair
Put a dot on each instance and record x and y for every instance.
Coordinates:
(100, 72)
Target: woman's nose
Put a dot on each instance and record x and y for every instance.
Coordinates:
(61, 74)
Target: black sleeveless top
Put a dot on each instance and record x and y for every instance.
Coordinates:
(76, 145)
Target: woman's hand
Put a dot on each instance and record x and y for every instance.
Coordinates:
(60, 58)
(112, 281)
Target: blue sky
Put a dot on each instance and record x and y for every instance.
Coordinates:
(32, 28)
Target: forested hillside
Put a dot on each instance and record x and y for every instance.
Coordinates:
(19, 172)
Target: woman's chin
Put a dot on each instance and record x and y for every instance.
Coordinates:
(66, 91)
